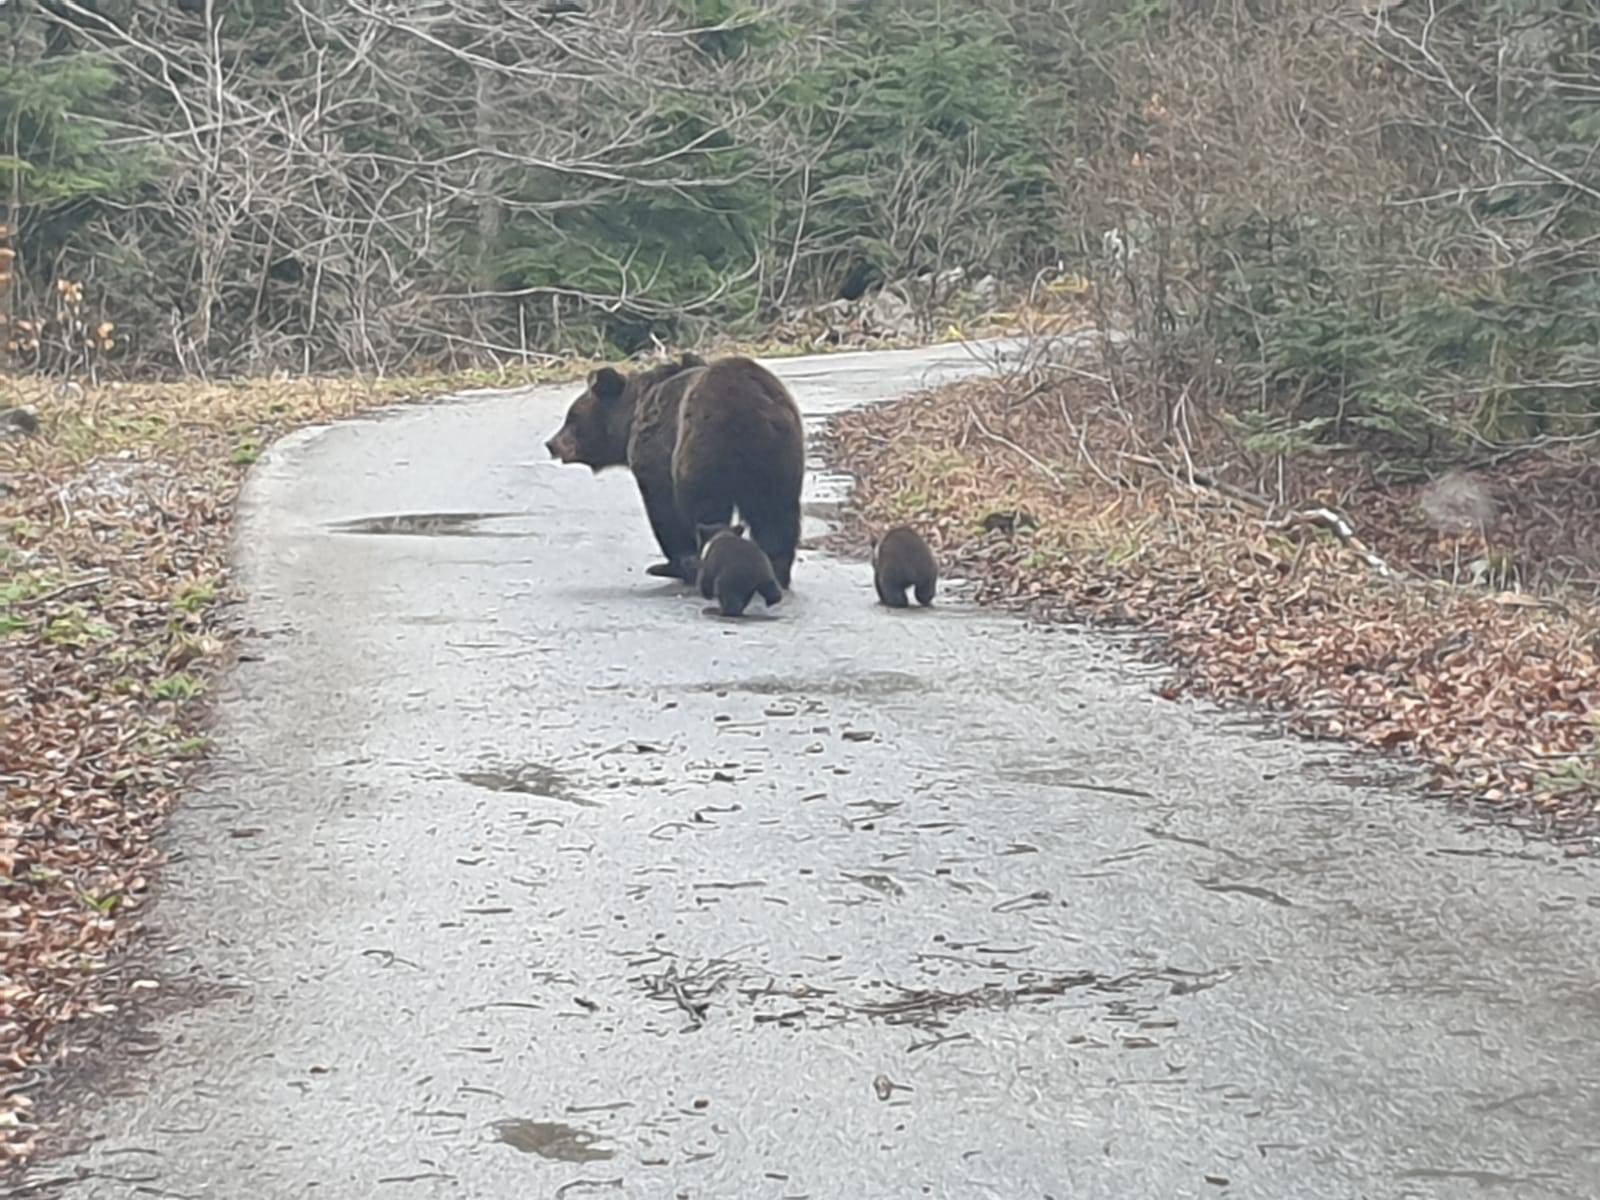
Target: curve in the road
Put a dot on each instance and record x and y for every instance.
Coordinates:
(519, 876)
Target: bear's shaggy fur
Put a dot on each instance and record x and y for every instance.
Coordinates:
(733, 569)
(901, 559)
(702, 440)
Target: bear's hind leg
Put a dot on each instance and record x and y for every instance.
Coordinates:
(733, 599)
(775, 527)
(674, 535)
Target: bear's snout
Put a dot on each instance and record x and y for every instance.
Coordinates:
(560, 447)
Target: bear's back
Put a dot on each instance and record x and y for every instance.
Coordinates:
(745, 410)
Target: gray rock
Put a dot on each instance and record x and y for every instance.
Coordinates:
(1458, 503)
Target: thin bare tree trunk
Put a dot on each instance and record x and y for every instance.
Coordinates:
(491, 214)
(13, 214)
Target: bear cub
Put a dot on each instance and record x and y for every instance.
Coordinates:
(901, 560)
(733, 569)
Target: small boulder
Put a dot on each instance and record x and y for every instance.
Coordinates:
(1458, 503)
(18, 422)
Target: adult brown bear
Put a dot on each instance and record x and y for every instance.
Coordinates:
(701, 439)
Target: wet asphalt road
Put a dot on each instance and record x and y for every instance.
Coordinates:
(519, 877)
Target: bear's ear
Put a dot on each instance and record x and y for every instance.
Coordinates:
(691, 359)
(736, 530)
(607, 383)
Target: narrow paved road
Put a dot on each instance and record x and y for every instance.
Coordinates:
(520, 877)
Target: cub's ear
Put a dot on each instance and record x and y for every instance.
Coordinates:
(691, 359)
(736, 530)
(607, 383)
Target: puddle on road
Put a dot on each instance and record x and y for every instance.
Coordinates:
(710, 991)
(868, 683)
(824, 510)
(427, 619)
(931, 1008)
(528, 779)
(1482, 1180)
(551, 1139)
(1247, 889)
(818, 519)
(883, 884)
(436, 524)
(1058, 777)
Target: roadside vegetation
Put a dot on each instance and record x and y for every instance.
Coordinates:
(1338, 442)
(1336, 269)
(115, 600)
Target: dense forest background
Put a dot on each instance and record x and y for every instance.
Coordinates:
(1321, 224)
